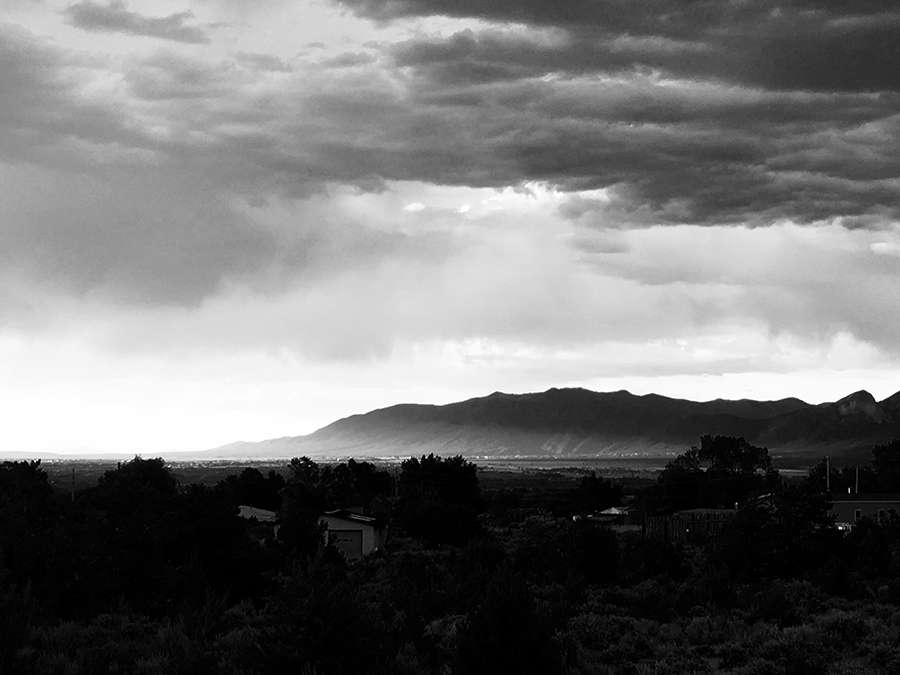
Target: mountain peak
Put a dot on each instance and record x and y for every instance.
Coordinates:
(861, 402)
(861, 396)
(891, 402)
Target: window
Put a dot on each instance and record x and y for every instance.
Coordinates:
(857, 514)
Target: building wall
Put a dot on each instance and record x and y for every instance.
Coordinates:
(350, 542)
(851, 510)
(372, 537)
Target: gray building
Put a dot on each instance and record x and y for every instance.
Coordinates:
(355, 535)
(851, 508)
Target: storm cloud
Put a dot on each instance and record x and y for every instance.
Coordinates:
(642, 103)
(774, 44)
(514, 194)
(694, 112)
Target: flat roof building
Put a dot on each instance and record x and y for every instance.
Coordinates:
(851, 508)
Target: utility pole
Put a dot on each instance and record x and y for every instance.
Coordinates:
(395, 474)
(73, 484)
(827, 474)
(856, 488)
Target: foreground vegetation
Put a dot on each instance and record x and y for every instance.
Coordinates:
(139, 574)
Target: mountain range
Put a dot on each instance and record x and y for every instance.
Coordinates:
(578, 423)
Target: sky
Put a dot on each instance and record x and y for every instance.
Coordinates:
(227, 220)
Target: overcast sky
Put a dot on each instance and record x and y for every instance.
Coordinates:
(230, 220)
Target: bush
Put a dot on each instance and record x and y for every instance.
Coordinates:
(507, 634)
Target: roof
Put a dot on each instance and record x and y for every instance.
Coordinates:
(862, 497)
(343, 514)
(261, 515)
(714, 511)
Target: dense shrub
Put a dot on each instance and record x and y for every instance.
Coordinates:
(138, 576)
(507, 633)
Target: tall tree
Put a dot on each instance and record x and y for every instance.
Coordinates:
(886, 462)
(722, 472)
(595, 494)
(253, 488)
(454, 480)
(24, 486)
(353, 483)
(440, 499)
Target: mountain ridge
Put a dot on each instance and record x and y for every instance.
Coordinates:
(577, 422)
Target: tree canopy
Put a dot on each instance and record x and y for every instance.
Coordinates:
(886, 463)
(439, 499)
(721, 473)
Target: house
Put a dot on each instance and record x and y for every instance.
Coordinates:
(691, 526)
(265, 523)
(354, 534)
(851, 508)
(251, 512)
(615, 515)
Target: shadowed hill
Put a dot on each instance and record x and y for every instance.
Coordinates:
(855, 422)
(583, 423)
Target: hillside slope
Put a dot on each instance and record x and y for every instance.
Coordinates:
(582, 423)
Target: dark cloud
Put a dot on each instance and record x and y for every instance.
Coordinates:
(586, 110)
(779, 44)
(115, 17)
(669, 153)
(469, 57)
(487, 109)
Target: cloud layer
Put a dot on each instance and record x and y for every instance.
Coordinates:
(635, 116)
(684, 117)
(553, 193)
(773, 44)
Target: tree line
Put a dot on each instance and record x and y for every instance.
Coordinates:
(142, 575)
